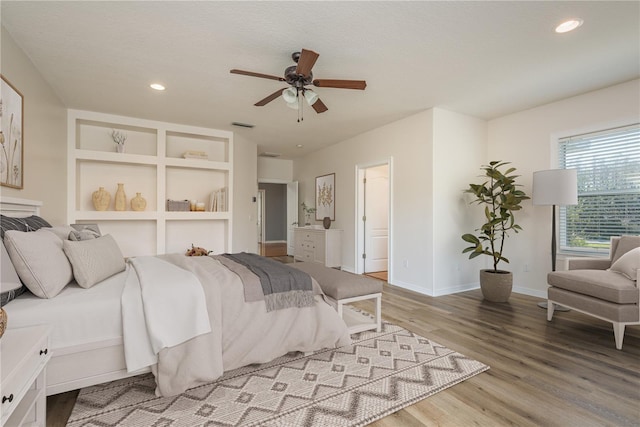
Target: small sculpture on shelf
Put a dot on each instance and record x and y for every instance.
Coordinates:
(138, 203)
(121, 198)
(101, 199)
(119, 137)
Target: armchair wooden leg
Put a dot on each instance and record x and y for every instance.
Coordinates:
(618, 333)
(550, 308)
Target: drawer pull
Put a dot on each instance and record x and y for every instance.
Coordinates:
(9, 399)
(45, 351)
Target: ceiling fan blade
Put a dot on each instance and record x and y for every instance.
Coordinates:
(252, 74)
(269, 98)
(306, 62)
(341, 84)
(319, 106)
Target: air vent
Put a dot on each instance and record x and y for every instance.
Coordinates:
(243, 125)
(268, 154)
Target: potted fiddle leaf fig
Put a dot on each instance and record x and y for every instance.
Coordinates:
(501, 197)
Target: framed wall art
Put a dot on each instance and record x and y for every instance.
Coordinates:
(326, 197)
(11, 135)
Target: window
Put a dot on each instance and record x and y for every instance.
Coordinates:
(608, 166)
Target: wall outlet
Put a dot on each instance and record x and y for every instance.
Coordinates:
(405, 263)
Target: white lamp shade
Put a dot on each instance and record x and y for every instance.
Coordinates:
(555, 187)
(293, 105)
(290, 95)
(310, 96)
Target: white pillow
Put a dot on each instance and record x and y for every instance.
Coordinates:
(94, 260)
(628, 264)
(10, 280)
(39, 261)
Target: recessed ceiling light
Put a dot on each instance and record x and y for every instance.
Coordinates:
(299, 145)
(157, 86)
(569, 25)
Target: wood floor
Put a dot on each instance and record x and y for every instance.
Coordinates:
(272, 249)
(561, 373)
(380, 275)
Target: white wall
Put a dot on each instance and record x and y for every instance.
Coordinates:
(527, 140)
(459, 149)
(275, 170)
(245, 188)
(44, 134)
(436, 154)
(408, 143)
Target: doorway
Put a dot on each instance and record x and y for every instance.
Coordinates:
(277, 214)
(373, 216)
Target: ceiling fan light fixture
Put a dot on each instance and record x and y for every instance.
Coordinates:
(290, 95)
(310, 96)
(293, 105)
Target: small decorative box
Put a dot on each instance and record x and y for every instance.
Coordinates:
(178, 206)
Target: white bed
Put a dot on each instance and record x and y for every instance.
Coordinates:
(87, 333)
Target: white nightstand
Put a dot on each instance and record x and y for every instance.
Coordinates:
(24, 353)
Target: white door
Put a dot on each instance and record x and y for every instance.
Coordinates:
(376, 210)
(292, 214)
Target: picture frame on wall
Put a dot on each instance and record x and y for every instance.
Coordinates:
(326, 197)
(11, 135)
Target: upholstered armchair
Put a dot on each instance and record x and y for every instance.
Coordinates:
(602, 288)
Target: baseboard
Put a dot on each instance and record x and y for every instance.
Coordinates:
(457, 289)
(531, 292)
(411, 287)
(465, 288)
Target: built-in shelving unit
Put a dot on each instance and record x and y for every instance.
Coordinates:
(152, 165)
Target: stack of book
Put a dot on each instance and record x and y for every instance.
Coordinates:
(218, 200)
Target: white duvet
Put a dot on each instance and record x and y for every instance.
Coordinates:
(165, 327)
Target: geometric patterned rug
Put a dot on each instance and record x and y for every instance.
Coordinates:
(378, 374)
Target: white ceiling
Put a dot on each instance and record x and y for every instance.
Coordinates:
(485, 59)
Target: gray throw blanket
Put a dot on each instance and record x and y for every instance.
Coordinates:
(283, 286)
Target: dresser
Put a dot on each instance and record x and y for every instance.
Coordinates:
(318, 245)
(24, 353)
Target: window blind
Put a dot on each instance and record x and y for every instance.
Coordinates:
(608, 168)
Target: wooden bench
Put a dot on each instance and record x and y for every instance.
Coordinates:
(344, 288)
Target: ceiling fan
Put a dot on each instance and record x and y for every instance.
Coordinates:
(298, 77)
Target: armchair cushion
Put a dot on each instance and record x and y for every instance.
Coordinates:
(589, 263)
(599, 284)
(628, 264)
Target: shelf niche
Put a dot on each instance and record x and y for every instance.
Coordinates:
(152, 165)
(96, 136)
